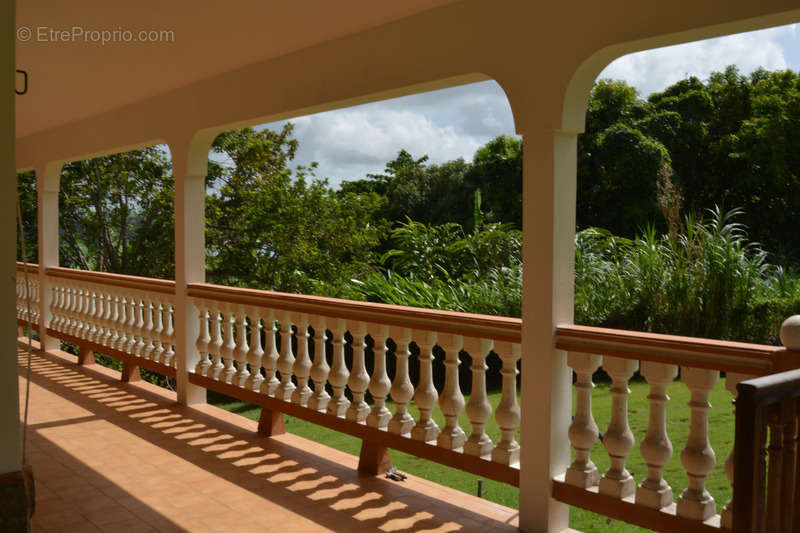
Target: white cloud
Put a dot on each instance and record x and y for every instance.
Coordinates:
(653, 70)
(445, 125)
(453, 123)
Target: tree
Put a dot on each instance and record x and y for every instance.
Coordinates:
(26, 189)
(413, 189)
(271, 228)
(116, 214)
(497, 172)
(619, 164)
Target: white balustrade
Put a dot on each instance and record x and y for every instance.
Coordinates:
(583, 432)
(255, 353)
(479, 410)
(379, 384)
(359, 379)
(402, 390)
(339, 374)
(215, 348)
(320, 369)
(28, 294)
(698, 457)
(203, 339)
(229, 346)
(286, 360)
(426, 394)
(731, 380)
(508, 413)
(168, 337)
(270, 359)
(242, 349)
(618, 439)
(656, 448)
(302, 364)
(451, 401)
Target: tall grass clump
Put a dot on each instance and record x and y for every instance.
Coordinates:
(442, 267)
(704, 278)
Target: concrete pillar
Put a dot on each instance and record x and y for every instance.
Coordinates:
(14, 499)
(10, 450)
(549, 177)
(48, 178)
(189, 166)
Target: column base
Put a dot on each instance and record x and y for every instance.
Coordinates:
(18, 496)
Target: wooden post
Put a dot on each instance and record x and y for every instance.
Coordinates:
(130, 372)
(374, 459)
(86, 356)
(271, 423)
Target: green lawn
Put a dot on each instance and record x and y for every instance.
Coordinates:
(721, 426)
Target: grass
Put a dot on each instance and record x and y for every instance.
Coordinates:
(721, 424)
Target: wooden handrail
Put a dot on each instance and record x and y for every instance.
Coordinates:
(33, 268)
(119, 280)
(766, 485)
(752, 359)
(467, 324)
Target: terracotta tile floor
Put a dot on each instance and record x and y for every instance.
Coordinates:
(117, 457)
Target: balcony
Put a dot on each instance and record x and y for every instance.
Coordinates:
(251, 63)
(272, 350)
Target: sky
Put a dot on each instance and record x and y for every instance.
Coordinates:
(451, 123)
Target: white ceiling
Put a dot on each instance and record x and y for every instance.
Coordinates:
(70, 80)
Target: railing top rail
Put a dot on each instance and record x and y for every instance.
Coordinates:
(32, 267)
(119, 280)
(756, 359)
(467, 324)
(770, 389)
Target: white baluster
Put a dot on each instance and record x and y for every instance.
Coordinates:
(451, 401)
(256, 352)
(67, 305)
(656, 448)
(320, 369)
(242, 349)
(215, 348)
(55, 311)
(147, 310)
(508, 414)
(698, 457)
(425, 396)
(133, 305)
(89, 331)
(203, 339)
(168, 336)
(109, 313)
(113, 336)
(402, 390)
(270, 359)
(100, 310)
(140, 330)
(302, 365)
(479, 410)
(359, 379)
(286, 360)
(618, 439)
(158, 328)
(122, 323)
(731, 380)
(229, 347)
(339, 373)
(379, 385)
(583, 431)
